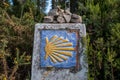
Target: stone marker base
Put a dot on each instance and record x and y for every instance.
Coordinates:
(71, 66)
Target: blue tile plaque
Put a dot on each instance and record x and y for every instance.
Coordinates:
(58, 48)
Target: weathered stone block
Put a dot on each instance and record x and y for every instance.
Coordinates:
(58, 52)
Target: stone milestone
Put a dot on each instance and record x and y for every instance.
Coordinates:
(59, 52)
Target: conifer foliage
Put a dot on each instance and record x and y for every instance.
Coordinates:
(102, 20)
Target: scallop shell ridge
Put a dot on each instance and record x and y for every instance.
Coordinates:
(58, 49)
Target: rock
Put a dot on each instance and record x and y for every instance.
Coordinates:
(59, 9)
(67, 18)
(68, 12)
(79, 20)
(75, 16)
(53, 12)
(60, 19)
(48, 19)
(61, 14)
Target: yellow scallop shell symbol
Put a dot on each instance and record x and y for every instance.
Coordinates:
(58, 49)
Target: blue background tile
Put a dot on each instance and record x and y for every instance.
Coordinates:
(70, 62)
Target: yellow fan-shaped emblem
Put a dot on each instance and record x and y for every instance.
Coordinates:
(58, 49)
